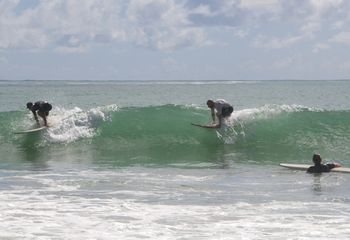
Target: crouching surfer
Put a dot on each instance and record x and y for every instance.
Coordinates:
(220, 109)
(40, 108)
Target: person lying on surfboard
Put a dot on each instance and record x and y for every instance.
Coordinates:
(40, 108)
(319, 167)
(219, 109)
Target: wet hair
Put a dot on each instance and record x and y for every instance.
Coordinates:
(316, 158)
(29, 105)
(210, 103)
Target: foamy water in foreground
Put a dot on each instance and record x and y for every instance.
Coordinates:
(137, 203)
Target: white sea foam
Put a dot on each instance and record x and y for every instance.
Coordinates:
(72, 124)
(268, 111)
(233, 127)
(132, 204)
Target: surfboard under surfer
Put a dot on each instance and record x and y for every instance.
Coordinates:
(40, 108)
(220, 109)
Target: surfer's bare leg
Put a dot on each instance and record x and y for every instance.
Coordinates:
(36, 118)
(43, 116)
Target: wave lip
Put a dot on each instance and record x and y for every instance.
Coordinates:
(270, 111)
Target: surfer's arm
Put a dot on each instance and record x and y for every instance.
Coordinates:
(213, 114)
(212, 126)
(333, 165)
(337, 165)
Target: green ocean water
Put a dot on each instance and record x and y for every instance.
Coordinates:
(122, 159)
(101, 122)
(162, 135)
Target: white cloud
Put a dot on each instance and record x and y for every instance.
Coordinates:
(78, 49)
(276, 43)
(50, 21)
(326, 13)
(163, 24)
(311, 27)
(241, 34)
(270, 5)
(323, 6)
(320, 46)
(203, 10)
(343, 37)
(157, 12)
(214, 13)
(14, 30)
(73, 25)
(338, 24)
(64, 24)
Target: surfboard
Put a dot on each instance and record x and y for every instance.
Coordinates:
(32, 130)
(207, 126)
(305, 167)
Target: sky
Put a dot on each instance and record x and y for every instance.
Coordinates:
(174, 39)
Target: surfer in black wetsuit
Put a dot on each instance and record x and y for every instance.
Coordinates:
(40, 108)
(319, 167)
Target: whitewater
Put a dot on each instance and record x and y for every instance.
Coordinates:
(122, 160)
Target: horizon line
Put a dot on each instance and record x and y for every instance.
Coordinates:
(178, 80)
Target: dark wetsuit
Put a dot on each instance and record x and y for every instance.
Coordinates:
(41, 107)
(319, 168)
(223, 108)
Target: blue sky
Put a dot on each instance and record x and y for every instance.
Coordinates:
(174, 39)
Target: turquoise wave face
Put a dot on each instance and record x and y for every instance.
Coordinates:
(163, 135)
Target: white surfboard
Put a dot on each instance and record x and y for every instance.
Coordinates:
(305, 167)
(32, 130)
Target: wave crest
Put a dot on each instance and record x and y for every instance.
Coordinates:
(69, 125)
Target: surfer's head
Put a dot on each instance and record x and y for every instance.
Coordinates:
(316, 158)
(29, 105)
(210, 103)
